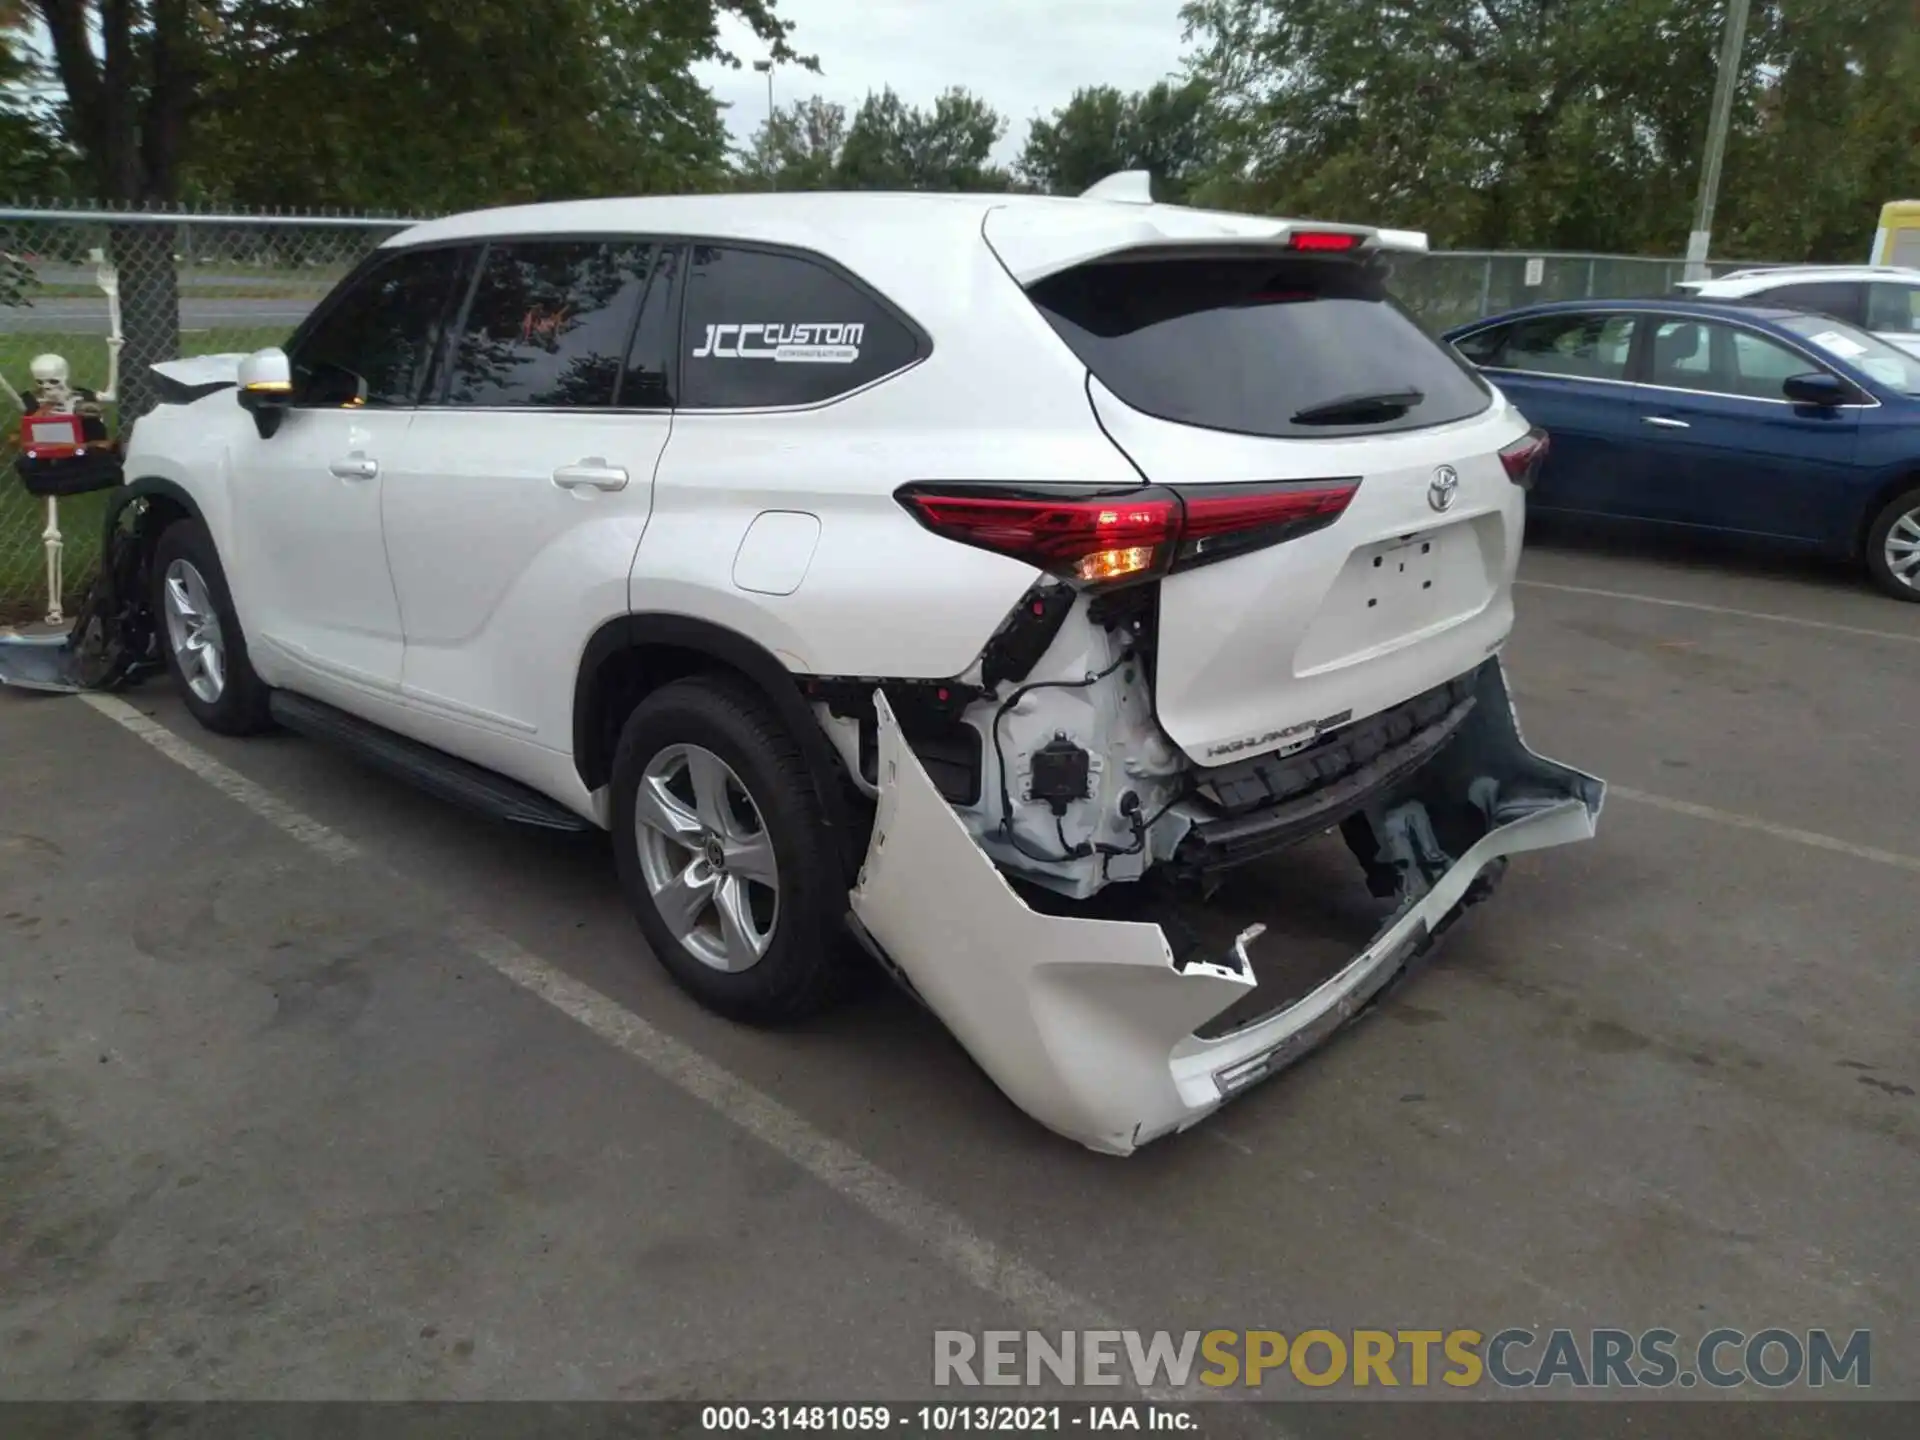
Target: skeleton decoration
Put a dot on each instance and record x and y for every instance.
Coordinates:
(53, 393)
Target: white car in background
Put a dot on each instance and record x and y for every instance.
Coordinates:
(1881, 299)
(849, 557)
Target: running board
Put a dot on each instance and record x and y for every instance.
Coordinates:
(431, 770)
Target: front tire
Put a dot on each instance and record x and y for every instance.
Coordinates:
(717, 833)
(205, 648)
(1893, 547)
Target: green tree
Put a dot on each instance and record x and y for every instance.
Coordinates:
(1568, 124)
(414, 106)
(34, 160)
(892, 145)
(1166, 130)
(797, 147)
(1835, 130)
(433, 105)
(1487, 122)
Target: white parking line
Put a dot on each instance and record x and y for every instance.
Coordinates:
(924, 1222)
(1909, 639)
(1767, 827)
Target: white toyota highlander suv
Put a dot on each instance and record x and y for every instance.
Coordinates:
(896, 568)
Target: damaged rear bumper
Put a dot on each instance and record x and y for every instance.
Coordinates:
(41, 662)
(1090, 1025)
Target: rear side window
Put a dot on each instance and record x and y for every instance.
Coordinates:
(1842, 299)
(377, 341)
(1259, 347)
(1583, 347)
(549, 324)
(766, 329)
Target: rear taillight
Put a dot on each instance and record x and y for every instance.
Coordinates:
(1103, 538)
(1524, 457)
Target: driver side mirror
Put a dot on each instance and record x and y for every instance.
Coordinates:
(1818, 388)
(266, 389)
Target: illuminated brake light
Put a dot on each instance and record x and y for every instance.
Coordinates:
(1324, 240)
(1096, 539)
(1524, 457)
(1103, 540)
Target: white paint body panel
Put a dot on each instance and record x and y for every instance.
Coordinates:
(306, 557)
(776, 551)
(1286, 634)
(502, 574)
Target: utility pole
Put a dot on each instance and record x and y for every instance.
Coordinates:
(1700, 241)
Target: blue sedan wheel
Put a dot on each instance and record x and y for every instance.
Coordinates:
(1893, 547)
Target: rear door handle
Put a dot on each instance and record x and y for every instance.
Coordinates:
(1666, 423)
(594, 473)
(355, 467)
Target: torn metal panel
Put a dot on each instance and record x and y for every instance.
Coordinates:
(1089, 1025)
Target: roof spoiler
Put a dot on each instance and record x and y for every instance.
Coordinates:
(1135, 187)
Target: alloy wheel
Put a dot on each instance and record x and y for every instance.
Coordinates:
(193, 631)
(1903, 549)
(706, 857)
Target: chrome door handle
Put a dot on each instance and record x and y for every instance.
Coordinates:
(594, 473)
(355, 467)
(1664, 423)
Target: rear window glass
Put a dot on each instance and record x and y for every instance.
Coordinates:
(1259, 347)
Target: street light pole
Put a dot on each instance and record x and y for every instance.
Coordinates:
(767, 66)
(1700, 241)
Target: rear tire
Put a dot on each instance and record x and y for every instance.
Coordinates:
(717, 835)
(200, 635)
(1893, 547)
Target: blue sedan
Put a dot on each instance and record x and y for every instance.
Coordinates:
(1745, 419)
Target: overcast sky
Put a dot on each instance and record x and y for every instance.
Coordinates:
(1025, 57)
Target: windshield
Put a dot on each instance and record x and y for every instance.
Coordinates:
(1259, 346)
(1870, 355)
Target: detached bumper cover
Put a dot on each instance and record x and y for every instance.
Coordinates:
(1089, 1025)
(40, 662)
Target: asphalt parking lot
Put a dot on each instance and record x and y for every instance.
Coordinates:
(312, 1087)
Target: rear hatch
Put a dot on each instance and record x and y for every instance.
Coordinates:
(1233, 373)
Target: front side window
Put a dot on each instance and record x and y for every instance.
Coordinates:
(766, 330)
(1762, 367)
(375, 345)
(1893, 309)
(1723, 360)
(548, 324)
(1583, 347)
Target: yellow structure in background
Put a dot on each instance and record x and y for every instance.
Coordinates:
(1897, 241)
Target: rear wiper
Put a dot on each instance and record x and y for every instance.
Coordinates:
(1358, 409)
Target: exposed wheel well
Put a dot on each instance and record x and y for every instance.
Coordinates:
(629, 658)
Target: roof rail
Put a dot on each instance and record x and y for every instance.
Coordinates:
(1129, 187)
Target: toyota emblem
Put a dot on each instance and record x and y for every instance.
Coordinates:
(1446, 485)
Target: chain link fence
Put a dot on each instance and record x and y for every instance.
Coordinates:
(196, 284)
(189, 284)
(1451, 287)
